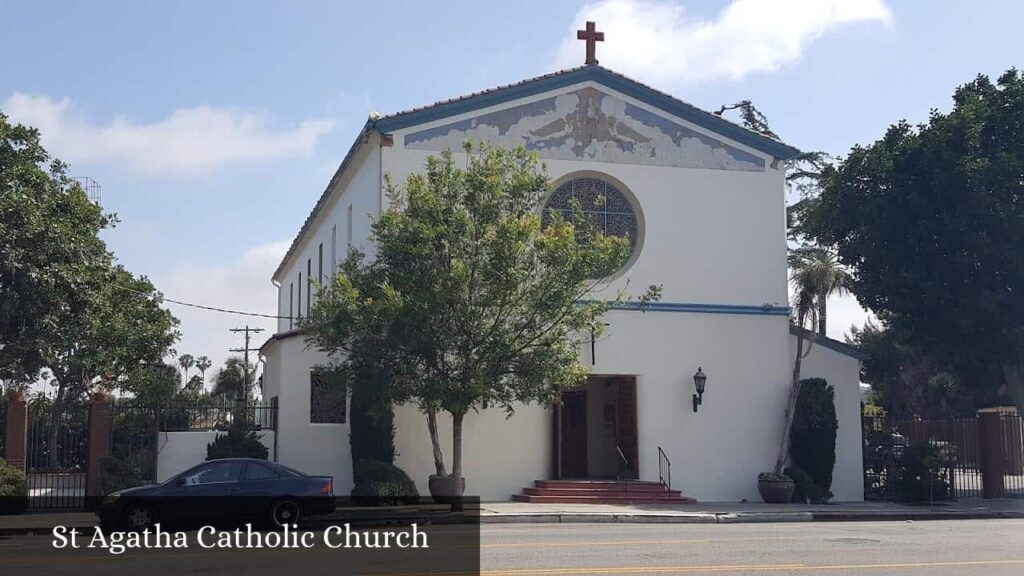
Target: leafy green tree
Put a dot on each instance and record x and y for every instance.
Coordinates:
(65, 305)
(50, 255)
(475, 299)
(930, 219)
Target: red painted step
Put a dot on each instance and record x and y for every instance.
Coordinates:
(601, 492)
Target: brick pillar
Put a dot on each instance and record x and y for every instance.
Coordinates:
(16, 444)
(990, 444)
(101, 419)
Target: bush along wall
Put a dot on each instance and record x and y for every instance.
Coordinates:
(239, 442)
(812, 440)
(13, 489)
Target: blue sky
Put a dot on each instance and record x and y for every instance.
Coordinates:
(214, 126)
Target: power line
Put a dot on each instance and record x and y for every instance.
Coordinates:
(202, 307)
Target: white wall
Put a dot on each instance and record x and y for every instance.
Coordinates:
(360, 188)
(500, 456)
(843, 373)
(182, 450)
(318, 449)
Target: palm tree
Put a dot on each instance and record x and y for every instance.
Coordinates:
(185, 361)
(818, 268)
(203, 364)
(815, 275)
(230, 381)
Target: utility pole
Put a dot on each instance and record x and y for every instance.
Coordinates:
(245, 350)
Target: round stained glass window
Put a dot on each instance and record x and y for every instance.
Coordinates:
(602, 203)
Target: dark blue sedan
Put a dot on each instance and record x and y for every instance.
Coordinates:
(232, 489)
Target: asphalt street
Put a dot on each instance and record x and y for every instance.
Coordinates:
(961, 547)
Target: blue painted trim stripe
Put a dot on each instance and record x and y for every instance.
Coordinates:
(765, 310)
(603, 76)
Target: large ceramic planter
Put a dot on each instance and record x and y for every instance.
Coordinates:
(776, 491)
(444, 490)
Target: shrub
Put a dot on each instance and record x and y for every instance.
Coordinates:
(812, 439)
(806, 490)
(13, 489)
(118, 474)
(922, 474)
(382, 483)
(239, 442)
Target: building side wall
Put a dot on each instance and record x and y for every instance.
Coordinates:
(359, 192)
(318, 449)
(843, 373)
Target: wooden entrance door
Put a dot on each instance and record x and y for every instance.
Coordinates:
(625, 425)
(573, 424)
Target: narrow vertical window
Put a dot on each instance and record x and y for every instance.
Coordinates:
(349, 227)
(334, 250)
(309, 284)
(320, 264)
(300, 294)
(291, 304)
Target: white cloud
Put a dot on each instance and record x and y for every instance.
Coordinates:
(189, 141)
(661, 42)
(240, 285)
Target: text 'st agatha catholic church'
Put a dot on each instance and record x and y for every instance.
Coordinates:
(702, 201)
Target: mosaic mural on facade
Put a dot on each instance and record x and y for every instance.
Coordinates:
(587, 124)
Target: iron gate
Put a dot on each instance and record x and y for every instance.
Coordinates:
(950, 453)
(58, 455)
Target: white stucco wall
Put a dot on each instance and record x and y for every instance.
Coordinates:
(358, 188)
(318, 449)
(182, 450)
(500, 456)
(843, 373)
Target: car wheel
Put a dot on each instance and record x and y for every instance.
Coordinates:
(139, 518)
(284, 513)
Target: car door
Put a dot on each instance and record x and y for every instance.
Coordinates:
(208, 491)
(260, 485)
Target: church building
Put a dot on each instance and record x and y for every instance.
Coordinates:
(703, 202)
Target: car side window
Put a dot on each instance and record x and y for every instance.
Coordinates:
(255, 471)
(215, 473)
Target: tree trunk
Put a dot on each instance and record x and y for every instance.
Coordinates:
(822, 309)
(436, 443)
(794, 392)
(457, 504)
(1014, 375)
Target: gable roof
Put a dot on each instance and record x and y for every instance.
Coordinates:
(830, 343)
(540, 84)
(600, 75)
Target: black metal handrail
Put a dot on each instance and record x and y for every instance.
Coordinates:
(664, 469)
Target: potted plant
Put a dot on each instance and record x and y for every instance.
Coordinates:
(444, 490)
(775, 488)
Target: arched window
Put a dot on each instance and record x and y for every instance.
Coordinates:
(604, 204)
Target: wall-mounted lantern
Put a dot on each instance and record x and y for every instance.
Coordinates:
(699, 380)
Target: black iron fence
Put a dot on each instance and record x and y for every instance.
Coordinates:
(194, 416)
(943, 459)
(58, 453)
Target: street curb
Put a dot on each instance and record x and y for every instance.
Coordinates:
(611, 518)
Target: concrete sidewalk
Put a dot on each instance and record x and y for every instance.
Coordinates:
(517, 512)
